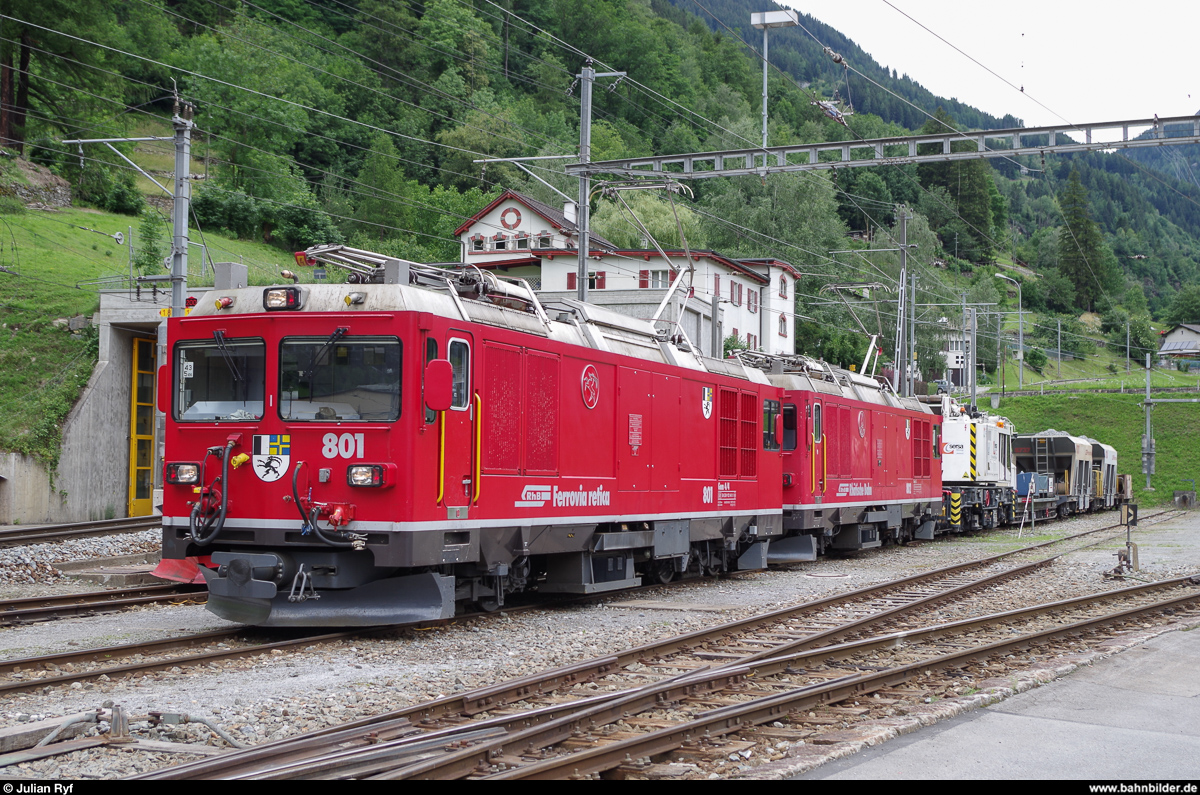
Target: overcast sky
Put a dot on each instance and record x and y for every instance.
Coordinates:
(1084, 62)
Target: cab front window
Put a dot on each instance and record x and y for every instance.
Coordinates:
(340, 379)
(219, 380)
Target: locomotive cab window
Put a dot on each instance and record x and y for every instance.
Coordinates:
(770, 412)
(339, 379)
(789, 426)
(431, 353)
(460, 362)
(220, 380)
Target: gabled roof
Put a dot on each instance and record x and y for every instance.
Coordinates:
(555, 217)
(771, 262)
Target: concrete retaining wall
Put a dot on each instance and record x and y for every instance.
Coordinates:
(93, 470)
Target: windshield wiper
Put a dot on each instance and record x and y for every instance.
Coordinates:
(338, 333)
(219, 336)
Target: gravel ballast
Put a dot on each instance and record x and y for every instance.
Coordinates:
(282, 694)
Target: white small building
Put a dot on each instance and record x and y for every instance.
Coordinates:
(524, 238)
(1182, 341)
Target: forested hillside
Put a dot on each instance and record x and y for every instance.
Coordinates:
(361, 121)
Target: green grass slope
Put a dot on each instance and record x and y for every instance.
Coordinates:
(55, 263)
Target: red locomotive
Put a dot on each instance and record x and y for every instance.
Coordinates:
(374, 453)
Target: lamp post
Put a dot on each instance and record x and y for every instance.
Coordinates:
(1020, 331)
(765, 21)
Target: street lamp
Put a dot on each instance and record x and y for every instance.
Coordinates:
(766, 21)
(1020, 330)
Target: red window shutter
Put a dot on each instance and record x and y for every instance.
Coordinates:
(739, 301)
(716, 288)
(732, 293)
(643, 279)
(599, 280)
(571, 281)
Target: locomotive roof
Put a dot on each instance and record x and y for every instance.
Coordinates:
(567, 321)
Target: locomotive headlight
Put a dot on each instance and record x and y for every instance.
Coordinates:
(183, 473)
(368, 475)
(275, 298)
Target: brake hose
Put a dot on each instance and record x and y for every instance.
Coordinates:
(310, 522)
(217, 521)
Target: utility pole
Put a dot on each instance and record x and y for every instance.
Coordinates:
(588, 77)
(912, 334)
(1148, 439)
(1060, 349)
(182, 122)
(1127, 346)
(974, 362)
(901, 355)
(582, 215)
(181, 196)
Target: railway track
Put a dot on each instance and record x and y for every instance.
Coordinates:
(17, 536)
(643, 679)
(46, 608)
(617, 729)
(871, 605)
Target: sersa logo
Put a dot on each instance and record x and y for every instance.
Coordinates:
(953, 448)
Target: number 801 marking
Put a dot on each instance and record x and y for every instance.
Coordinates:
(348, 445)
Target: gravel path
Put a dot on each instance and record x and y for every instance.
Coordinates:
(272, 697)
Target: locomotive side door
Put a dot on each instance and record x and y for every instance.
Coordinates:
(457, 439)
(817, 443)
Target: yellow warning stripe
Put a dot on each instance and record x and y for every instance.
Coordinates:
(973, 469)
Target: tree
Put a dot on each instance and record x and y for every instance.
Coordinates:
(382, 208)
(1080, 255)
(150, 248)
(969, 184)
(1185, 306)
(612, 221)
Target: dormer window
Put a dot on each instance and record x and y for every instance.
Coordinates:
(782, 286)
(476, 242)
(522, 241)
(545, 240)
(499, 242)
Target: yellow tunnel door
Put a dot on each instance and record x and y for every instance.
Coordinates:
(141, 429)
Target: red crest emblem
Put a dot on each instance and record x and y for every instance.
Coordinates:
(589, 384)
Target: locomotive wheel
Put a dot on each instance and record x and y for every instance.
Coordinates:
(663, 571)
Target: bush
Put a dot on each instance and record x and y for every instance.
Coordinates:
(302, 224)
(1035, 358)
(109, 189)
(228, 210)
